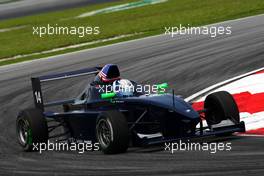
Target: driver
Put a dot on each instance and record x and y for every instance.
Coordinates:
(107, 75)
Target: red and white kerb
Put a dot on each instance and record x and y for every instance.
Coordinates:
(249, 95)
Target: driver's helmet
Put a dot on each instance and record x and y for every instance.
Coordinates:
(123, 88)
(108, 74)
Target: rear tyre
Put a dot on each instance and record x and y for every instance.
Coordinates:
(31, 127)
(221, 106)
(112, 132)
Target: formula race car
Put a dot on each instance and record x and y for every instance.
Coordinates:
(111, 112)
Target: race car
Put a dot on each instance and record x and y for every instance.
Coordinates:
(111, 112)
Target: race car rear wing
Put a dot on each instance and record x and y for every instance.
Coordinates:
(36, 84)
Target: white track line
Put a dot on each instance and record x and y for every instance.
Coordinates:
(204, 91)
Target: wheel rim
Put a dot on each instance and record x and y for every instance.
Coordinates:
(23, 132)
(104, 133)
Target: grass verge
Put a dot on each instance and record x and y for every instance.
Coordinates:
(149, 20)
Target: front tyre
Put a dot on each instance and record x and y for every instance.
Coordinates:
(221, 106)
(112, 132)
(31, 127)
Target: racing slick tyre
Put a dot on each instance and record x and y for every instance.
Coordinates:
(31, 127)
(221, 106)
(112, 132)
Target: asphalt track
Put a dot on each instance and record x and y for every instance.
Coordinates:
(28, 7)
(188, 63)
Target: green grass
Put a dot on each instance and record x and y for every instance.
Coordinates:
(149, 20)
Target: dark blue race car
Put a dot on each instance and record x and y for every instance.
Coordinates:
(117, 114)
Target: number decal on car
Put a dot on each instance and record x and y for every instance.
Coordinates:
(38, 97)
